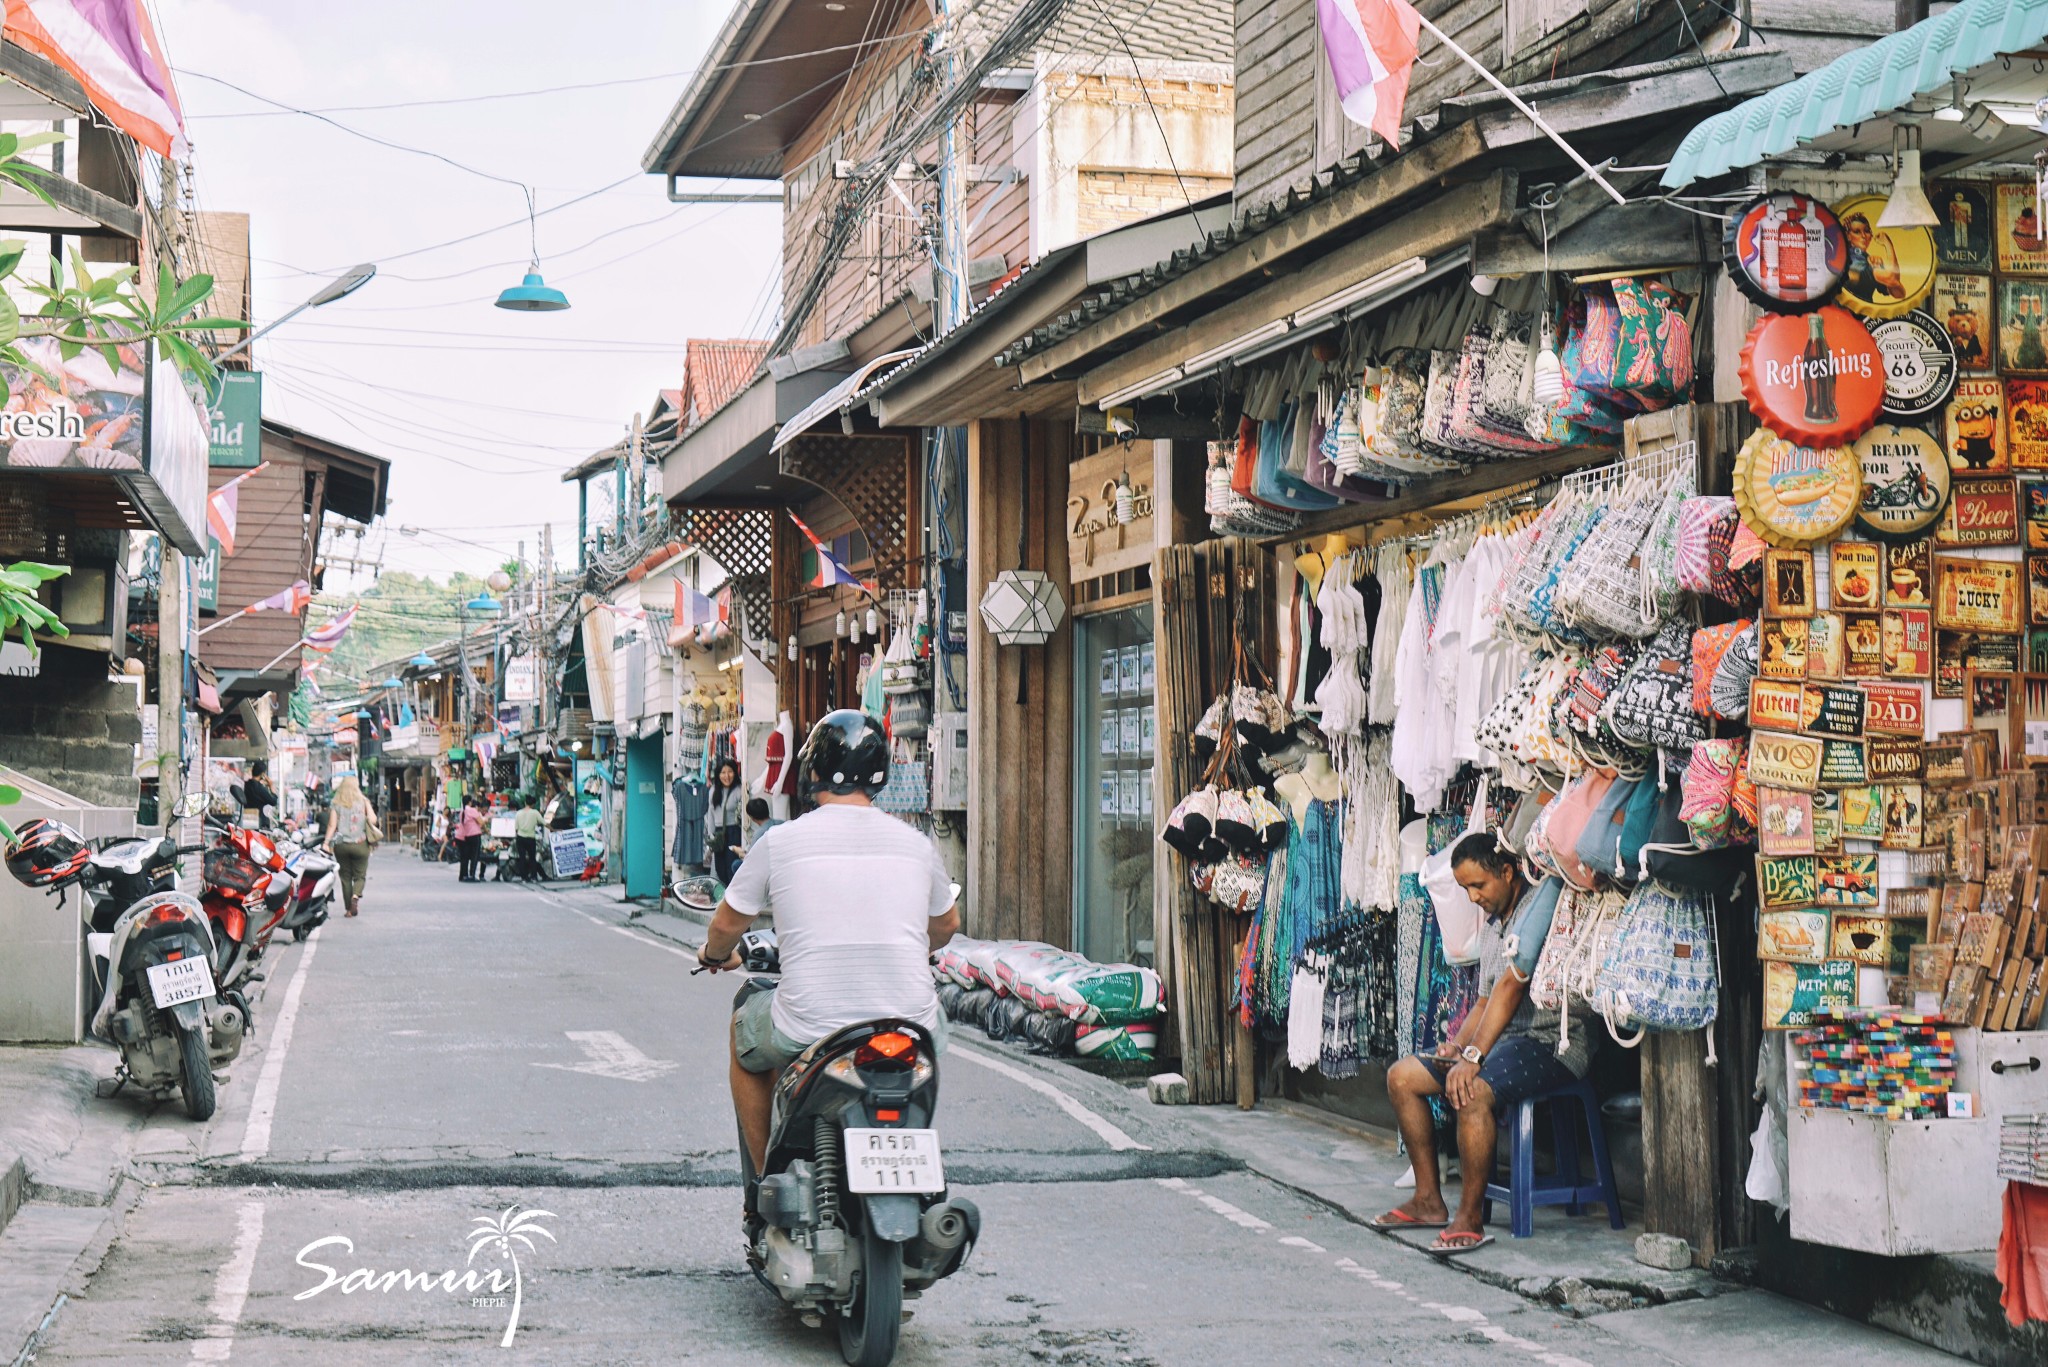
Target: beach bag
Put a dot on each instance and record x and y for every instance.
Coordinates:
(1458, 917)
(1728, 694)
(1238, 884)
(1653, 705)
(1192, 823)
(1599, 845)
(1706, 534)
(1653, 360)
(1708, 786)
(1569, 816)
(1578, 920)
(1604, 588)
(1709, 647)
(1660, 974)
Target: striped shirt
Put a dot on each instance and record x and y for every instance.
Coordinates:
(853, 890)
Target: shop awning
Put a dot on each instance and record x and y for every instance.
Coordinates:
(826, 404)
(1920, 63)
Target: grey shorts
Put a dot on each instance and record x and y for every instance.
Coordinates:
(764, 1049)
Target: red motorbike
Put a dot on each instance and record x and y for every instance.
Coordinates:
(247, 891)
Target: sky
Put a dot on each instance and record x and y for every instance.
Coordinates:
(478, 409)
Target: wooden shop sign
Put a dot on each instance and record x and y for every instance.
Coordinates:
(1947, 763)
(1097, 544)
(1842, 762)
(1781, 761)
(1833, 711)
(1981, 512)
(1894, 759)
(1895, 709)
(1816, 379)
(1777, 703)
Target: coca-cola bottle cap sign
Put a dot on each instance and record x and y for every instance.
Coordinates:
(1786, 251)
(1817, 379)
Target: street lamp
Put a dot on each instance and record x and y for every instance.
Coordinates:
(355, 278)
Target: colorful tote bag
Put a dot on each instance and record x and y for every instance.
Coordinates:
(1660, 975)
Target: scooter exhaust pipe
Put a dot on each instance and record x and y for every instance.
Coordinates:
(946, 1226)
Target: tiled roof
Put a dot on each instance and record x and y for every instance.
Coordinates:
(713, 371)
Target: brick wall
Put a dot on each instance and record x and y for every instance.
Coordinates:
(72, 728)
(1109, 199)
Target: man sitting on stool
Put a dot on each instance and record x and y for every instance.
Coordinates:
(1504, 1053)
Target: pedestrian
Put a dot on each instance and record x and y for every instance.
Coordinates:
(722, 820)
(352, 832)
(759, 822)
(257, 794)
(469, 837)
(526, 842)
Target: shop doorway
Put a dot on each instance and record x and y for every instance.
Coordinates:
(1113, 747)
(643, 817)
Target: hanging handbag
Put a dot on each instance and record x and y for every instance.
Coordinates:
(1458, 917)
(1269, 821)
(1710, 646)
(1660, 975)
(1603, 590)
(1569, 816)
(1708, 785)
(910, 717)
(1706, 533)
(1237, 883)
(1728, 694)
(1653, 705)
(1599, 845)
(1235, 824)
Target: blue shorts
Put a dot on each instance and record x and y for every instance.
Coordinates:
(761, 1048)
(1516, 1068)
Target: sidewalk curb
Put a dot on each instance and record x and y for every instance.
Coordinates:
(13, 1185)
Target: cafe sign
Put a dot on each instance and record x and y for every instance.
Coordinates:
(1098, 543)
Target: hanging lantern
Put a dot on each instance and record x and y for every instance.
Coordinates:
(1022, 607)
(1126, 501)
(853, 629)
(839, 623)
(874, 623)
(1548, 385)
(792, 649)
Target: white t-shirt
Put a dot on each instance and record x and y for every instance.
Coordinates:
(853, 890)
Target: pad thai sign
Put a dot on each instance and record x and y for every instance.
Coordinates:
(133, 422)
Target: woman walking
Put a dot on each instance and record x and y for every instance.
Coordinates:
(723, 811)
(351, 832)
(469, 834)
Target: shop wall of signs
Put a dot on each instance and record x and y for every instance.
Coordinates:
(1900, 711)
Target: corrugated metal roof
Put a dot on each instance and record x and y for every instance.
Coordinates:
(1878, 79)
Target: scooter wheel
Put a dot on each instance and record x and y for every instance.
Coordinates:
(868, 1328)
(197, 1082)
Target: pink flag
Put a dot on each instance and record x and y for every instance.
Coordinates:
(112, 50)
(1371, 46)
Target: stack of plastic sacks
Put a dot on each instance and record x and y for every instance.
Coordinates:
(1055, 1001)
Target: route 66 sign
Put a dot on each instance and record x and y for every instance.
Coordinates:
(1919, 360)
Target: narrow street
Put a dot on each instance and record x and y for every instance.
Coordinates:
(461, 1049)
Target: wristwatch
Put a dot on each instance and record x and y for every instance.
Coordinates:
(1470, 1053)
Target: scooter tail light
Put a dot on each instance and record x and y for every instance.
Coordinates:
(164, 915)
(891, 1046)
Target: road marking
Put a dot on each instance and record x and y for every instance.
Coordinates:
(606, 1054)
(618, 930)
(263, 1106)
(231, 1291)
(1457, 1314)
(1110, 1134)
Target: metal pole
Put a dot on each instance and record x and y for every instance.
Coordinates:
(171, 645)
(949, 300)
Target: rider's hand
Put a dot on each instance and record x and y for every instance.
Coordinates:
(730, 963)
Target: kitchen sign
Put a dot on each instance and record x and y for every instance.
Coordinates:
(1777, 703)
(1816, 379)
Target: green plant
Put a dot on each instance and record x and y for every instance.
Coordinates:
(19, 584)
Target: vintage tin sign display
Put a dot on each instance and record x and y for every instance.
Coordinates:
(1890, 270)
(1963, 304)
(1782, 761)
(1976, 427)
(1978, 595)
(2021, 245)
(1792, 495)
(1786, 251)
(2026, 424)
(1905, 483)
(1816, 378)
(1919, 364)
(1894, 709)
(1981, 512)
(1962, 240)
(2022, 315)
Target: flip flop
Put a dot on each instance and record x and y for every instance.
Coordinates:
(1451, 1245)
(1400, 1219)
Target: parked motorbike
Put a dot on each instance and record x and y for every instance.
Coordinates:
(851, 1216)
(316, 877)
(246, 892)
(152, 952)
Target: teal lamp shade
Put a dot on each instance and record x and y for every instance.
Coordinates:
(483, 602)
(422, 661)
(394, 682)
(532, 295)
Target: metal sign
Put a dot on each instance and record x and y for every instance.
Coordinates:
(234, 413)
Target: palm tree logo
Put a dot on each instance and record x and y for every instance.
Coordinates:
(500, 1232)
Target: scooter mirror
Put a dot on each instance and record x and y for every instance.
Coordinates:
(235, 792)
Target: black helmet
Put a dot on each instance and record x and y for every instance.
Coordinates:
(46, 853)
(846, 752)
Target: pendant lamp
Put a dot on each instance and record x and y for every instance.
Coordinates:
(1548, 385)
(533, 294)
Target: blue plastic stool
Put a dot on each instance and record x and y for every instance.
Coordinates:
(1525, 1191)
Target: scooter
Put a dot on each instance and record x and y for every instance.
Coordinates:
(851, 1216)
(151, 951)
(246, 892)
(316, 876)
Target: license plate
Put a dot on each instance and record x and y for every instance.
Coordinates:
(181, 980)
(880, 1161)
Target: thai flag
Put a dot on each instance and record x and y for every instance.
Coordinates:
(325, 638)
(831, 571)
(693, 609)
(294, 599)
(1371, 46)
(220, 511)
(112, 50)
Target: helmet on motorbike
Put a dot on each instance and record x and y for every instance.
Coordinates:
(846, 752)
(46, 853)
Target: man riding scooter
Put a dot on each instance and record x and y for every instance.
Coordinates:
(860, 900)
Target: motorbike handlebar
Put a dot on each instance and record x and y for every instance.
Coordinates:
(191, 849)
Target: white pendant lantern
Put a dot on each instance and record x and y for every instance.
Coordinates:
(1126, 502)
(1548, 385)
(839, 623)
(1022, 607)
(874, 622)
(792, 649)
(853, 629)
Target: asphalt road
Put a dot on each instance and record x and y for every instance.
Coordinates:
(460, 1050)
